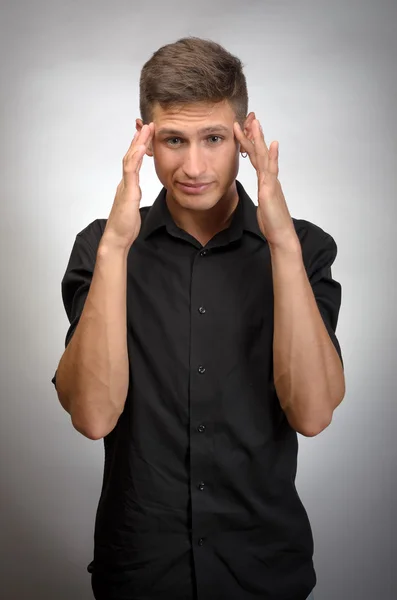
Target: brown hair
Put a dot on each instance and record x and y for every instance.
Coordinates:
(192, 70)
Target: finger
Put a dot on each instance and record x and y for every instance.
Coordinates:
(260, 146)
(132, 163)
(133, 141)
(140, 161)
(242, 138)
(147, 133)
(273, 167)
(262, 135)
(144, 136)
(139, 143)
(246, 144)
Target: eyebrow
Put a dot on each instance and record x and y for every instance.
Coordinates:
(203, 130)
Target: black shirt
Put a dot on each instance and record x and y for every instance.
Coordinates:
(198, 497)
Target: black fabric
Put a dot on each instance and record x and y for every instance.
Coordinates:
(199, 497)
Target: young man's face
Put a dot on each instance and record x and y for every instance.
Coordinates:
(186, 154)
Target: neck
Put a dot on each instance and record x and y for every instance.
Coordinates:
(203, 225)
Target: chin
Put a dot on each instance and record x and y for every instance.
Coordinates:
(198, 202)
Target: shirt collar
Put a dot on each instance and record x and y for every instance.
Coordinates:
(244, 217)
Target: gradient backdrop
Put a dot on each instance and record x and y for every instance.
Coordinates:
(322, 80)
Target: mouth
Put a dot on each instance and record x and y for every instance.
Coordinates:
(196, 188)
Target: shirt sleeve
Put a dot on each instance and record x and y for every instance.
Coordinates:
(320, 252)
(76, 284)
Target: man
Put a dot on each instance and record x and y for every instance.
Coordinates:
(201, 340)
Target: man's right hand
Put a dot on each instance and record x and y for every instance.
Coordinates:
(124, 222)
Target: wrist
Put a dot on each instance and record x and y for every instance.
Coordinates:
(110, 245)
(289, 248)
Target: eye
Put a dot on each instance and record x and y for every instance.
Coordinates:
(176, 141)
(169, 140)
(218, 137)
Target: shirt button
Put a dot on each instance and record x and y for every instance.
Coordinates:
(201, 485)
(201, 541)
(201, 428)
(201, 369)
(201, 310)
(203, 252)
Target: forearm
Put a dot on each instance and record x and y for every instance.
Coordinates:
(308, 373)
(93, 374)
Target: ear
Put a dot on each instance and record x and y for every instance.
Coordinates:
(248, 126)
(139, 124)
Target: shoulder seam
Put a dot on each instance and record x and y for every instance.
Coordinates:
(95, 223)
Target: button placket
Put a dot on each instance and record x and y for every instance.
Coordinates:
(199, 350)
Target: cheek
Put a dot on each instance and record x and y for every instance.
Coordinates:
(163, 162)
(229, 159)
(230, 151)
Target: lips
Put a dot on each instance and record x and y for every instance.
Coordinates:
(195, 185)
(193, 188)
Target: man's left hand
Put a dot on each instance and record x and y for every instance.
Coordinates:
(273, 216)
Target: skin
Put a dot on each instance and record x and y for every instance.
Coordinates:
(308, 373)
(195, 157)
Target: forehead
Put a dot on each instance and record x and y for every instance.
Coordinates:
(190, 117)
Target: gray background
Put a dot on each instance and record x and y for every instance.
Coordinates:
(322, 80)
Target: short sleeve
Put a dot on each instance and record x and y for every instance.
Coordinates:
(76, 283)
(319, 253)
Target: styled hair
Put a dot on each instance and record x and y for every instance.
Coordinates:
(192, 70)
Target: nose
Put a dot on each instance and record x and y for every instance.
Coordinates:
(193, 164)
